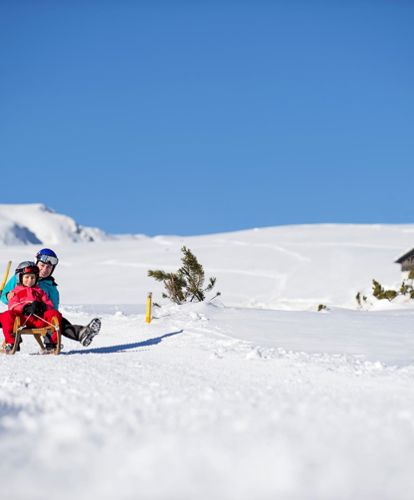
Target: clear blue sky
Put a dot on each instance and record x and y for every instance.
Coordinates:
(192, 117)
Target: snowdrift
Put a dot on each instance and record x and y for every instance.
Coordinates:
(38, 224)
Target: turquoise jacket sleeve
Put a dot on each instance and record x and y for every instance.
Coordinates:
(54, 297)
(51, 289)
(8, 288)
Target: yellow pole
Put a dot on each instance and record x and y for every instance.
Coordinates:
(6, 275)
(148, 315)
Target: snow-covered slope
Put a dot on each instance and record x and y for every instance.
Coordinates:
(291, 267)
(210, 402)
(223, 400)
(38, 224)
(285, 267)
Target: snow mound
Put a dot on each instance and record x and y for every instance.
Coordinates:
(38, 224)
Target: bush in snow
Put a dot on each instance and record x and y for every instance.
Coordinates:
(380, 293)
(361, 299)
(407, 286)
(187, 284)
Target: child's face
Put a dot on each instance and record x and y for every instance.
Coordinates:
(28, 280)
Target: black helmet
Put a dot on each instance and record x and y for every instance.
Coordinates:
(26, 267)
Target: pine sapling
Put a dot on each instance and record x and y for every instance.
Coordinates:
(377, 290)
(187, 284)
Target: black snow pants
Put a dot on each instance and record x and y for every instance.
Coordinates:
(70, 331)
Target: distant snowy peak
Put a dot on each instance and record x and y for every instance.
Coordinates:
(38, 224)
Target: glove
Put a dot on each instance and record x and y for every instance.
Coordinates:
(38, 308)
(35, 307)
(27, 309)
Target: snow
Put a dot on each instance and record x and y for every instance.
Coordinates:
(255, 395)
(36, 224)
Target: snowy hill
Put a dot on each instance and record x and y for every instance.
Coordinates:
(38, 224)
(286, 267)
(254, 396)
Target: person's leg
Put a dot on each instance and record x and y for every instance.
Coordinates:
(48, 316)
(81, 333)
(70, 331)
(7, 321)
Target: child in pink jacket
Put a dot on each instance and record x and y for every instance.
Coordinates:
(30, 303)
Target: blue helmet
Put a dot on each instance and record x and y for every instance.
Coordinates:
(47, 256)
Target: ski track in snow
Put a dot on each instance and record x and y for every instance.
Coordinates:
(182, 408)
(276, 248)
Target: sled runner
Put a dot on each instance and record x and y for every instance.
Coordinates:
(40, 334)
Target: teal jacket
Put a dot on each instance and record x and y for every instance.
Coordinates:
(48, 285)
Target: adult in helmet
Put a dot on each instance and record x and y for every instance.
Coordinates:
(47, 260)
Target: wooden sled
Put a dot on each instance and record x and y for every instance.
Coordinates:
(38, 334)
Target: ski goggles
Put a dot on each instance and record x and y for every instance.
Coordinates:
(48, 259)
(29, 270)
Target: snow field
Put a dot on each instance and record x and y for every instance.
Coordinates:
(182, 408)
(262, 399)
(285, 268)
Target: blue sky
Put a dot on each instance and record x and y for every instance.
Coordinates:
(186, 117)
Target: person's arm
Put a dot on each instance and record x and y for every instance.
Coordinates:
(51, 291)
(18, 301)
(46, 300)
(54, 297)
(7, 289)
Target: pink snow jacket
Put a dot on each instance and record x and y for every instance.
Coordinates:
(26, 295)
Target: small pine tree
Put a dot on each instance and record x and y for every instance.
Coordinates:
(406, 288)
(173, 283)
(187, 284)
(193, 275)
(377, 290)
(390, 294)
(380, 293)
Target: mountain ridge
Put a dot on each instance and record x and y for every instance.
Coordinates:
(35, 223)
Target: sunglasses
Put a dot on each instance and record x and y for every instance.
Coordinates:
(48, 259)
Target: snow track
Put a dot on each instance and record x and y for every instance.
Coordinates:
(183, 408)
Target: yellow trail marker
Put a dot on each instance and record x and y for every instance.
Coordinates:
(148, 314)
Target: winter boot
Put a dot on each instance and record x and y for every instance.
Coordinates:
(7, 348)
(89, 331)
(50, 346)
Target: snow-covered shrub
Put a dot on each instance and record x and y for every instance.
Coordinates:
(405, 292)
(379, 292)
(187, 284)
